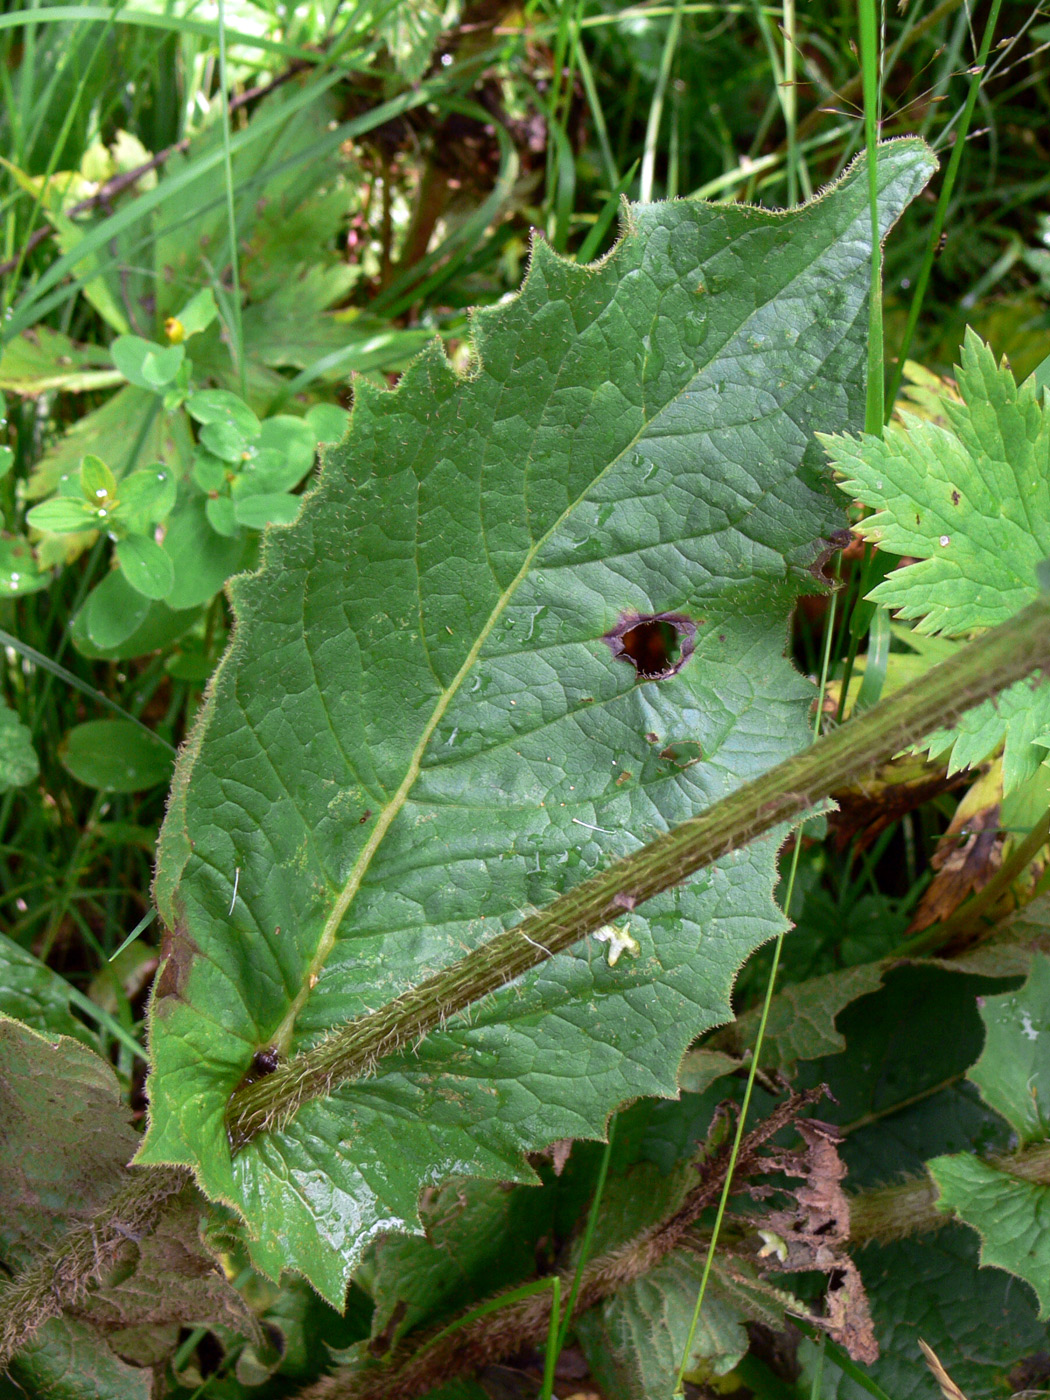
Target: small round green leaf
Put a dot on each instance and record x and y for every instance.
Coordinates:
(115, 756)
(157, 631)
(221, 518)
(203, 559)
(145, 566)
(225, 440)
(113, 610)
(263, 472)
(209, 472)
(62, 516)
(144, 363)
(97, 482)
(220, 406)
(328, 421)
(198, 313)
(18, 569)
(275, 508)
(147, 496)
(295, 440)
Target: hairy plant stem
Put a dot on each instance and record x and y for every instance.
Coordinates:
(59, 1277)
(482, 1337)
(891, 1213)
(418, 1364)
(994, 661)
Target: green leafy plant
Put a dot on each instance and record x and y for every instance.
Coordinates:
(510, 770)
(483, 598)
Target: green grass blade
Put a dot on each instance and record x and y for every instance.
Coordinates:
(656, 107)
(601, 130)
(33, 305)
(943, 200)
(236, 329)
(590, 245)
(874, 414)
(140, 928)
(177, 24)
(45, 663)
(550, 1355)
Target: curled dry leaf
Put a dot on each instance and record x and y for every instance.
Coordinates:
(968, 854)
(813, 1235)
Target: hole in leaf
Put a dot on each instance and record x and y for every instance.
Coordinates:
(657, 646)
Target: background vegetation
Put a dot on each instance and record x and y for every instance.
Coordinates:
(216, 223)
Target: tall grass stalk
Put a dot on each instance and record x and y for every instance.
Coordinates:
(940, 214)
(234, 326)
(745, 1105)
(656, 106)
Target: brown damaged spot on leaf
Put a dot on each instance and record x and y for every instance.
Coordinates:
(177, 952)
(839, 539)
(657, 645)
(682, 754)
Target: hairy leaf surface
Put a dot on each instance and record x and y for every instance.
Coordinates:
(420, 730)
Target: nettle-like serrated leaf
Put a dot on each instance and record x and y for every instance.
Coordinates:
(420, 731)
(971, 502)
(1013, 1073)
(1018, 718)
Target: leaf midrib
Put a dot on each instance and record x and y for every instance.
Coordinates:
(283, 1035)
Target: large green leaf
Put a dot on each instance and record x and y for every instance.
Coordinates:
(420, 729)
(971, 503)
(1011, 1215)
